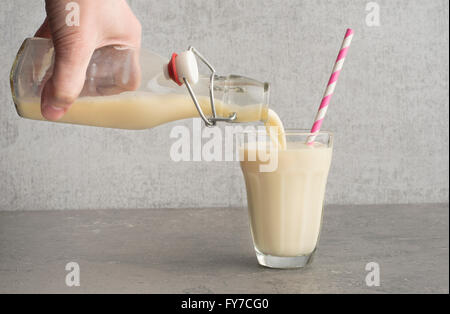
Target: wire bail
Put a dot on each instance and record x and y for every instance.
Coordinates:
(211, 121)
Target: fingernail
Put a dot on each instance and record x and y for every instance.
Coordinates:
(51, 112)
(56, 108)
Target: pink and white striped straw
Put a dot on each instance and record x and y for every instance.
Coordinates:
(331, 86)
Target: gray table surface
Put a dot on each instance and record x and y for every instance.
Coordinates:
(210, 251)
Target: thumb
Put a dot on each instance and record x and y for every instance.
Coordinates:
(67, 80)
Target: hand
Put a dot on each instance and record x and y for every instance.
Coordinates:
(102, 23)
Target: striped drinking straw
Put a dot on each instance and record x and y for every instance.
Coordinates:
(330, 87)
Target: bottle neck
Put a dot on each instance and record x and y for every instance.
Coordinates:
(246, 97)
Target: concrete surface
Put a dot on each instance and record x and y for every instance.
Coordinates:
(210, 251)
(390, 112)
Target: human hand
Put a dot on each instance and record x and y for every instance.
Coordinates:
(102, 23)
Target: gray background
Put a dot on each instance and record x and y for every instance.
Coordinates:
(390, 113)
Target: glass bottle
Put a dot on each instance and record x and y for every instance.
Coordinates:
(127, 88)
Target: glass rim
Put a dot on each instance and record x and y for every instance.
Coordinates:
(290, 132)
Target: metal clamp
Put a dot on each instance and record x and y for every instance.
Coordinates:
(212, 120)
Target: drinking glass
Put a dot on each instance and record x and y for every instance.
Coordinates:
(285, 194)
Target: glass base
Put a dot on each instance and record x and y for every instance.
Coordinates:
(283, 262)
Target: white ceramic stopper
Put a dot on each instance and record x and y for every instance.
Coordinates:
(187, 67)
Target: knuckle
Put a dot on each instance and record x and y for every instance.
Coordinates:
(72, 51)
(63, 96)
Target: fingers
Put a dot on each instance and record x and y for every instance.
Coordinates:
(67, 80)
(127, 77)
(74, 47)
(134, 78)
(112, 71)
(44, 30)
